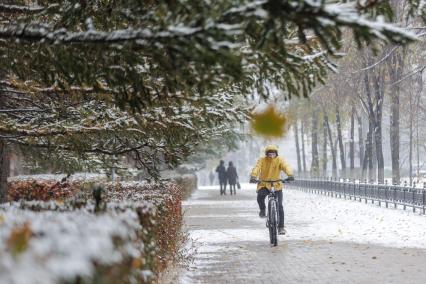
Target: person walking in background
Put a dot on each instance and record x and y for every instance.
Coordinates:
(221, 171)
(211, 177)
(231, 174)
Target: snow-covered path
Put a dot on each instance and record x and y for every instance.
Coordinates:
(329, 241)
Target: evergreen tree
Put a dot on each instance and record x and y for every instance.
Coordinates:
(157, 79)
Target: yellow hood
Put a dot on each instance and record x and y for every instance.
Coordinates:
(271, 148)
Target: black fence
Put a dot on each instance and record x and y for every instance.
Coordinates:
(382, 194)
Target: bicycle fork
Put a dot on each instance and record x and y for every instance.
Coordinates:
(271, 197)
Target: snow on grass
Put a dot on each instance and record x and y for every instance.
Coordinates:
(317, 217)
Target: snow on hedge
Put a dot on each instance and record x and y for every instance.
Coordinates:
(62, 246)
(129, 236)
(88, 177)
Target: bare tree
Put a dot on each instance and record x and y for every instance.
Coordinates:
(417, 121)
(332, 147)
(314, 133)
(395, 69)
(296, 138)
(373, 104)
(302, 135)
(360, 140)
(324, 147)
(368, 154)
(352, 142)
(340, 140)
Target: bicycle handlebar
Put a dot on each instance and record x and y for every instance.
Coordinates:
(286, 180)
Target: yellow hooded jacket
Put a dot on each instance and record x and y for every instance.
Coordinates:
(269, 169)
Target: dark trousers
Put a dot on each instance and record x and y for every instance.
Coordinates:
(222, 183)
(232, 186)
(261, 195)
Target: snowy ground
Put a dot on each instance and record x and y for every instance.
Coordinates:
(318, 217)
(325, 236)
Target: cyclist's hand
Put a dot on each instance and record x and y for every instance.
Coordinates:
(290, 178)
(253, 179)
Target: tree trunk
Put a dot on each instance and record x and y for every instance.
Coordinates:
(414, 114)
(368, 105)
(360, 140)
(417, 144)
(374, 106)
(374, 160)
(340, 139)
(315, 156)
(365, 160)
(419, 93)
(302, 135)
(379, 154)
(324, 148)
(369, 151)
(378, 141)
(4, 170)
(352, 143)
(410, 154)
(395, 68)
(332, 148)
(394, 137)
(296, 137)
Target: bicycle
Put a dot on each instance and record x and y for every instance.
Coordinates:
(273, 218)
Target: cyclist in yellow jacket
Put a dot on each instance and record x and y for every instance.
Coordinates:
(270, 168)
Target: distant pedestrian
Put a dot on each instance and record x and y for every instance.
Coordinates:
(221, 171)
(211, 177)
(231, 174)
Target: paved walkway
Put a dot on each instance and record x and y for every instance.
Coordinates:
(232, 246)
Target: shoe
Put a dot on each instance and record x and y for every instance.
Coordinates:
(281, 231)
(262, 213)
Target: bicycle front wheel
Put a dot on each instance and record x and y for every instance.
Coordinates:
(273, 222)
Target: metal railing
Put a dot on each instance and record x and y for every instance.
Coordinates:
(386, 194)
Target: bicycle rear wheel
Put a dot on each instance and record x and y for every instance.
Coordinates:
(272, 220)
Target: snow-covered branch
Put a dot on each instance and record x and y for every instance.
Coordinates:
(44, 33)
(5, 8)
(379, 61)
(21, 110)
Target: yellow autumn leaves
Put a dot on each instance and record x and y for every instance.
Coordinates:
(19, 239)
(269, 123)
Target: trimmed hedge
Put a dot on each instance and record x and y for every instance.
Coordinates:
(164, 224)
(148, 236)
(41, 190)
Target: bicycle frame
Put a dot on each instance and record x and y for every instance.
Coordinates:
(271, 198)
(273, 218)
